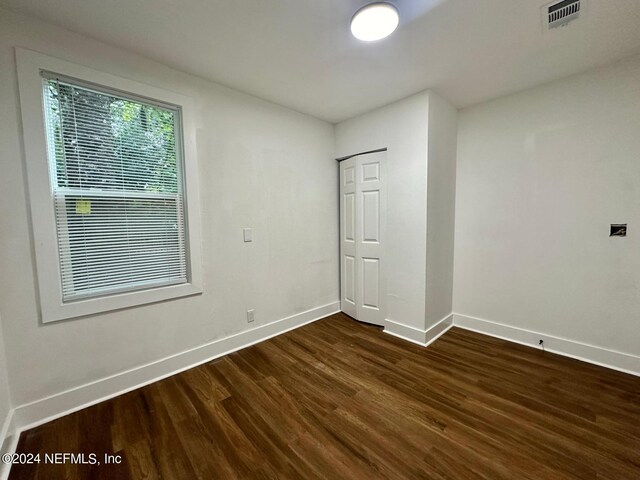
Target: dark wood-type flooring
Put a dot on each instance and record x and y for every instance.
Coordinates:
(341, 400)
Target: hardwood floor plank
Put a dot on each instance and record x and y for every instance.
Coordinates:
(340, 399)
(141, 463)
(168, 452)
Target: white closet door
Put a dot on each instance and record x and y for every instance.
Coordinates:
(361, 229)
(348, 278)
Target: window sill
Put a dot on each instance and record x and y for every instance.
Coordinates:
(92, 306)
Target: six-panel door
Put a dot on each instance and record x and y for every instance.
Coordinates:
(361, 222)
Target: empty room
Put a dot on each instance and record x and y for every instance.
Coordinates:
(320, 239)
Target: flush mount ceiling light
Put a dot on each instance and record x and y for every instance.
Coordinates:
(374, 21)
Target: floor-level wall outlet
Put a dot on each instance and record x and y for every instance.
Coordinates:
(250, 317)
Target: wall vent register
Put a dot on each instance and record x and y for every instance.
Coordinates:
(559, 14)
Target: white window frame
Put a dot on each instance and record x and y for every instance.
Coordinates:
(30, 65)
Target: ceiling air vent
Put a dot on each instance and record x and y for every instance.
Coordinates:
(559, 14)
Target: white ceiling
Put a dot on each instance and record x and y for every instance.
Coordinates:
(300, 53)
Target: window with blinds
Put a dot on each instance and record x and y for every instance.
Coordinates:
(117, 184)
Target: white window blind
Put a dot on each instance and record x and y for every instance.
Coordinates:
(117, 183)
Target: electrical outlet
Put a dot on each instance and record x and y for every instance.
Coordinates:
(250, 315)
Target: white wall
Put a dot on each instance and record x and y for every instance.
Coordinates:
(402, 128)
(540, 176)
(441, 191)
(420, 135)
(261, 166)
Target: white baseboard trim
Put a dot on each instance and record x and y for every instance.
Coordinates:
(7, 427)
(8, 443)
(416, 335)
(623, 362)
(9, 446)
(44, 410)
(405, 332)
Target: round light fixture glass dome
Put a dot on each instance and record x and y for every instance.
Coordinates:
(374, 21)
